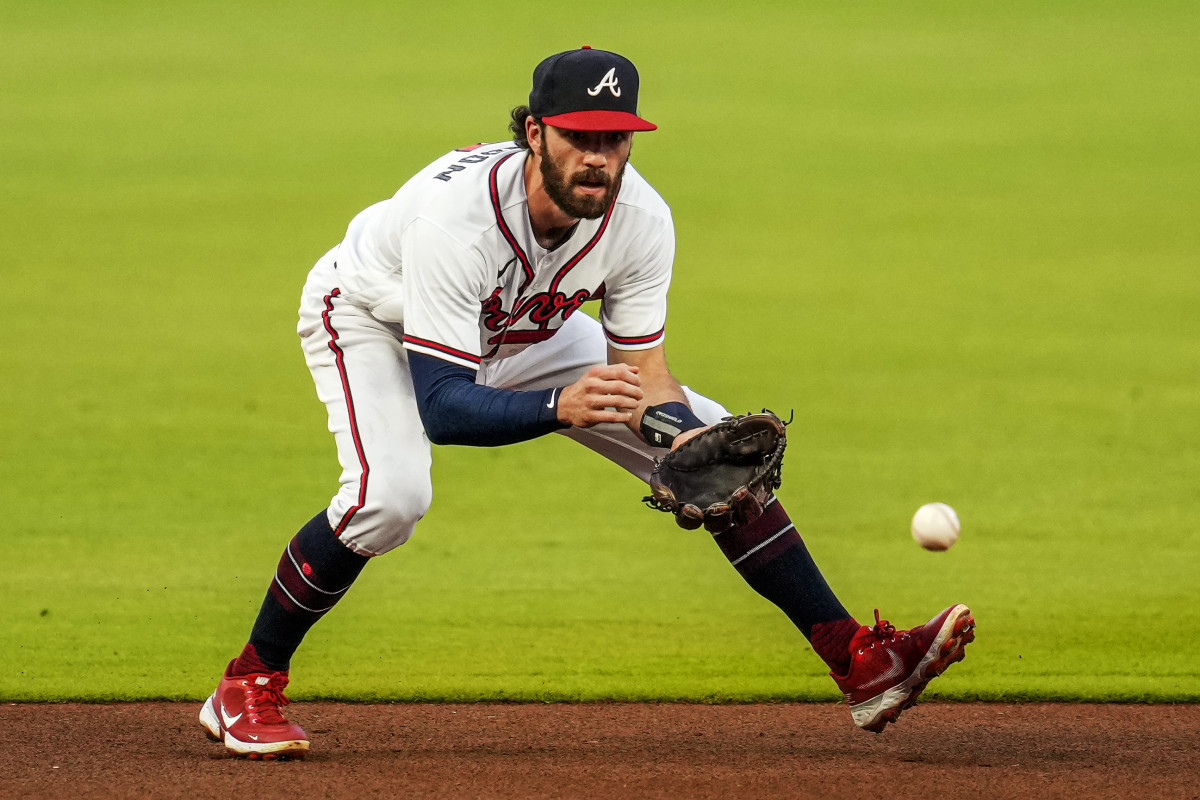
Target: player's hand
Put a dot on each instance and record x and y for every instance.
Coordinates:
(683, 437)
(609, 393)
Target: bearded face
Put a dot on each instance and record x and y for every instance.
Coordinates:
(562, 188)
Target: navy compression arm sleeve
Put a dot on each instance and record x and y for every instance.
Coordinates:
(456, 410)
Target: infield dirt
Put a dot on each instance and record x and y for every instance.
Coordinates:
(613, 750)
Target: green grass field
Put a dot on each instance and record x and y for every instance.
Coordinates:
(959, 240)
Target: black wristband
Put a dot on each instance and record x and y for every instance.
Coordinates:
(662, 423)
(548, 411)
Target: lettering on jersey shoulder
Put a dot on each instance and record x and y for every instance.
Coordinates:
(476, 156)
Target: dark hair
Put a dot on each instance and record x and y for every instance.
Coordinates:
(517, 126)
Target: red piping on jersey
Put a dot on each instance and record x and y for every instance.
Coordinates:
(512, 241)
(634, 339)
(441, 348)
(339, 357)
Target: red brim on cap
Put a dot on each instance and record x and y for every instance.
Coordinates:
(599, 121)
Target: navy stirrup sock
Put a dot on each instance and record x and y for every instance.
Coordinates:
(315, 571)
(770, 555)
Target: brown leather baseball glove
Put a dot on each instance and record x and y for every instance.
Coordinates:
(723, 475)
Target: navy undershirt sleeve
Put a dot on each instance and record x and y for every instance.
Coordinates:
(456, 410)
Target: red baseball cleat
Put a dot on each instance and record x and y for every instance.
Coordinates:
(889, 669)
(244, 714)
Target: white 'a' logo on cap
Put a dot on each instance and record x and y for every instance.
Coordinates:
(609, 81)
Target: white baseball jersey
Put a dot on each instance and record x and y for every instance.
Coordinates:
(452, 257)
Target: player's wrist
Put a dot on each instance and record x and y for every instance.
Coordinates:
(549, 411)
(683, 438)
(663, 423)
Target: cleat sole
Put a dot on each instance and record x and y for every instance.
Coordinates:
(209, 722)
(266, 751)
(291, 755)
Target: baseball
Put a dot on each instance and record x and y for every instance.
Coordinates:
(935, 526)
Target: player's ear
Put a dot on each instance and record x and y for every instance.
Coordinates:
(533, 135)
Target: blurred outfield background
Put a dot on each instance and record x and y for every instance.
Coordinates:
(960, 240)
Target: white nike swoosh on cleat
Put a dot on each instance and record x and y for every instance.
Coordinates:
(228, 720)
(252, 736)
(892, 674)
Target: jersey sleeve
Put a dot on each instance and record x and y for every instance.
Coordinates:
(442, 282)
(634, 309)
(456, 410)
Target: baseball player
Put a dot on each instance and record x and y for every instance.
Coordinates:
(448, 315)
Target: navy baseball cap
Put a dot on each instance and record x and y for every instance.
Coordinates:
(587, 90)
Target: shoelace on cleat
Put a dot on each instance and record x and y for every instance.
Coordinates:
(883, 629)
(265, 699)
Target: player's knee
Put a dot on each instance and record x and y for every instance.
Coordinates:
(399, 506)
(393, 506)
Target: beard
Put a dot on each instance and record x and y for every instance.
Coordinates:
(561, 189)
